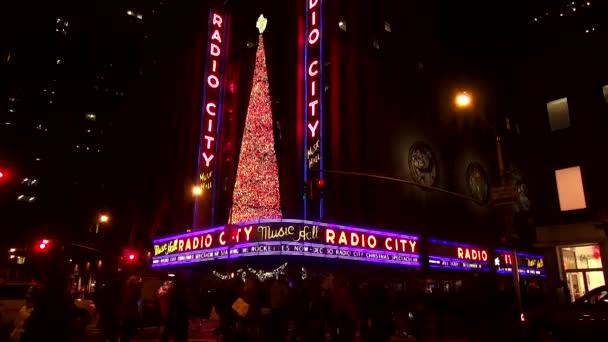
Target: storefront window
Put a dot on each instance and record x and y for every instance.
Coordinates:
(583, 267)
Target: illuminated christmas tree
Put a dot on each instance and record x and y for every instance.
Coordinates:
(256, 191)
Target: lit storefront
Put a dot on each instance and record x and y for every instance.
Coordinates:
(582, 268)
(575, 254)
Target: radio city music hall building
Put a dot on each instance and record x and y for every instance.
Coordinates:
(318, 86)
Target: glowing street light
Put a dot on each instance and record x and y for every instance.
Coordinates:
(463, 100)
(197, 190)
(104, 218)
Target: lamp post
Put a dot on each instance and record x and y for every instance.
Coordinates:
(197, 191)
(103, 219)
(463, 101)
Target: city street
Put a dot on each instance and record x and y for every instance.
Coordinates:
(205, 334)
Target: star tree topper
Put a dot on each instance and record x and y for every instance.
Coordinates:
(261, 23)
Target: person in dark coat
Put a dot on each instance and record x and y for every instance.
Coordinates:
(53, 310)
(129, 307)
(380, 317)
(176, 314)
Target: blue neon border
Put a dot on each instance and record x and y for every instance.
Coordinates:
(220, 122)
(485, 266)
(457, 244)
(543, 273)
(232, 255)
(202, 118)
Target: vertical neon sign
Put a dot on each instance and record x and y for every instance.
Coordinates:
(313, 93)
(211, 116)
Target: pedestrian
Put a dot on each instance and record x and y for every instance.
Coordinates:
(129, 307)
(380, 317)
(53, 310)
(278, 303)
(343, 315)
(174, 308)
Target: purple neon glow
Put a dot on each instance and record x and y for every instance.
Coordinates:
(483, 265)
(533, 272)
(456, 244)
(312, 223)
(187, 235)
(157, 261)
(520, 254)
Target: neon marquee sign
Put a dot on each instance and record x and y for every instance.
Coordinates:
(212, 99)
(529, 265)
(288, 237)
(449, 255)
(313, 91)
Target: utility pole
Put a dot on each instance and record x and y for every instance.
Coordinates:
(509, 225)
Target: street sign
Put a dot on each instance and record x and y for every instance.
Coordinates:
(504, 195)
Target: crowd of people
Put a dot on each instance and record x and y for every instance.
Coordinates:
(281, 309)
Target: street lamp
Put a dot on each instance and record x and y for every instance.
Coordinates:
(463, 100)
(197, 190)
(104, 218)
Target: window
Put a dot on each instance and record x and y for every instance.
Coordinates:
(24, 198)
(583, 268)
(605, 91)
(387, 26)
(90, 116)
(570, 189)
(559, 116)
(376, 44)
(342, 25)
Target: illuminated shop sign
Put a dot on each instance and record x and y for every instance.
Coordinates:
(529, 265)
(212, 99)
(449, 255)
(313, 90)
(288, 237)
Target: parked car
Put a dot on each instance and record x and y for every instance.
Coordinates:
(586, 316)
(12, 298)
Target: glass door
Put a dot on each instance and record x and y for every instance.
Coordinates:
(583, 267)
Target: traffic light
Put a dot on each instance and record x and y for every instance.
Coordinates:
(42, 245)
(321, 187)
(131, 256)
(305, 191)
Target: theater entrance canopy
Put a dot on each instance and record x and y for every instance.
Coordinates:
(287, 238)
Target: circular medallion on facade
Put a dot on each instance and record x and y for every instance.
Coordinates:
(523, 203)
(423, 164)
(477, 182)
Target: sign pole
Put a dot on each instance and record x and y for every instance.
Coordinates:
(508, 216)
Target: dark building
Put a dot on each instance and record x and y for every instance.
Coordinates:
(565, 110)
(80, 116)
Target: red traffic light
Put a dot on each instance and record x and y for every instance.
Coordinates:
(321, 182)
(130, 256)
(1, 175)
(43, 245)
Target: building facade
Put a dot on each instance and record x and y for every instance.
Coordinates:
(565, 108)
